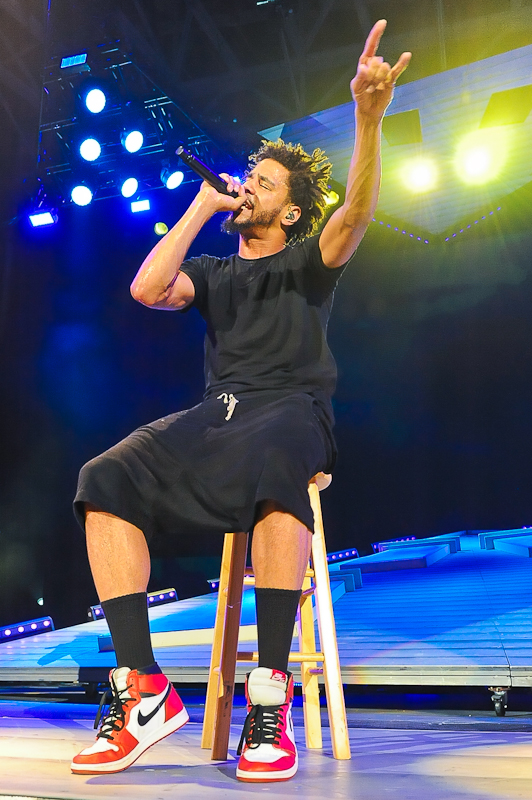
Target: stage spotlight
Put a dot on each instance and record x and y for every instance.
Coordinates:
(140, 205)
(482, 154)
(129, 187)
(331, 198)
(95, 100)
(171, 178)
(90, 149)
(160, 228)
(132, 140)
(81, 195)
(419, 175)
(40, 218)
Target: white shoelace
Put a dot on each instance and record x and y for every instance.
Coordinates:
(230, 401)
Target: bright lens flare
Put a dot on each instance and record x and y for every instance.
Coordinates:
(482, 154)
(419, 175)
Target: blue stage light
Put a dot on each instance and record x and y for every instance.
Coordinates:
(140, 205)
(380, 547)
(154, 599)
(23, 629)
(172, 178)
(129, 187)
(95, 100)
(73, 61)
(343, 555)
(90, 149)
(40, 218)
(132, 140)
(81, 195)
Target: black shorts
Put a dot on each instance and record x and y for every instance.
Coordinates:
(196, 471)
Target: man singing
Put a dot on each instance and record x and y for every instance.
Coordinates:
(242, 459)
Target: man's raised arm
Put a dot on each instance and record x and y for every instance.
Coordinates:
(159, 282)
(372, 90)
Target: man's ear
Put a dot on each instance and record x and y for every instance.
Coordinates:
(292, 215)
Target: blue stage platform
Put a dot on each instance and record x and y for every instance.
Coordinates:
(453, 610)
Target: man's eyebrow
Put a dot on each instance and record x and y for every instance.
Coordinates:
(263, 178)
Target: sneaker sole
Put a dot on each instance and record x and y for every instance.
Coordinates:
(266, 777)
(171, 726)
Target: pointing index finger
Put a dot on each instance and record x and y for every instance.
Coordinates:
(373, 40)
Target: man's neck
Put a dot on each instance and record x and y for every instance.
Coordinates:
(253, 246)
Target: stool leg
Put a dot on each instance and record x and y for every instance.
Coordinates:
(327, 630)
(226, 680)
(211, 699)
(309, 677)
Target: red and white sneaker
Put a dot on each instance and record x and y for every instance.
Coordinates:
(143, 710)
(267, 748)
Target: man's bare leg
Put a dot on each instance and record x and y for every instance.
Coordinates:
(280, 550)
(280, 553)
(120, 565)
(118, 554)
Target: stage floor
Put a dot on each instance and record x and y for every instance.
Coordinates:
(441, 762)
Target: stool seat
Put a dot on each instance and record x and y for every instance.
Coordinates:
(220, 687)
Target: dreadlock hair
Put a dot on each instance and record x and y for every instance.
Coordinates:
(308, 180)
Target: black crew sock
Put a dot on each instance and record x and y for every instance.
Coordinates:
(276, 614)
(127, 617)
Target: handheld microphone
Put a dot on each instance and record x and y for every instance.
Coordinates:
(204, 171)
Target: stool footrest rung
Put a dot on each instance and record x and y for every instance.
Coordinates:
(250, 655)
(250, 574)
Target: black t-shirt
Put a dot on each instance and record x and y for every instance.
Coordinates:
(266, 320)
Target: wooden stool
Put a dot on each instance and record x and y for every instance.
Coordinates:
(220, 688)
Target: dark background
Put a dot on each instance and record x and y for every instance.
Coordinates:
(432, 341)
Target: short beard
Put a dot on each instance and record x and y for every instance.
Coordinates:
(262, 219)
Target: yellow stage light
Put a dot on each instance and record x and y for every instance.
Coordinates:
(331, 198)
(482, 154)
(160, 228)
(419, 175)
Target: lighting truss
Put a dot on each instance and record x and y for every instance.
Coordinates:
(132, 96)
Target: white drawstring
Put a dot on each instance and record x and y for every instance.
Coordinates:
(230, 401)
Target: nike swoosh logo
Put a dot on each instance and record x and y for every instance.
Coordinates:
(143, 720)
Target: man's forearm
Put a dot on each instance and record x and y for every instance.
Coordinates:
(160, 268)
(364, 176)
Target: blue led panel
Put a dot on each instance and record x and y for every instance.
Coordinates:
(140, 205)
(43, 218)
(73, 61)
